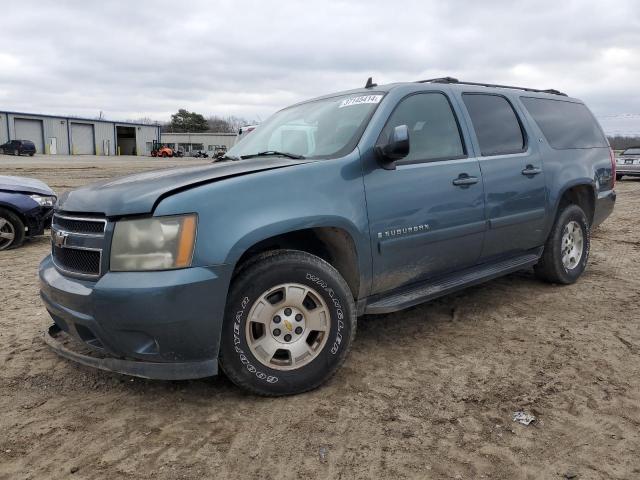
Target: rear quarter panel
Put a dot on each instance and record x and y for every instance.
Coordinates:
(567, 168)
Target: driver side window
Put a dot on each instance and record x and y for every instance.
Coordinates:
(433, 129)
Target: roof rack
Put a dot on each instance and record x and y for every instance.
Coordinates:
(455, 80)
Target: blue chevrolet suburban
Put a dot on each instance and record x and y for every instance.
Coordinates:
(362, 202)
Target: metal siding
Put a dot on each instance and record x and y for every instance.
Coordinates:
(104, 131)
(30, 129)
(82, 139)
(144, 134)
(4, 134)
(227, 139)
(56, 128)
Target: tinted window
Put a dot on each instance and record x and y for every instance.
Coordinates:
(433, 130)
(495, 123)
(565, 124)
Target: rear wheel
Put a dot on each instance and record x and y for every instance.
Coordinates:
(566, 251)
(31, 154)
(289, 323)
(619, 177)
(11, 230)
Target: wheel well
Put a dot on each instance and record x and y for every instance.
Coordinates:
(11, 209)
(333, 245)
(581, 195)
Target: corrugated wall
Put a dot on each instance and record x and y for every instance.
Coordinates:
(57, 128)
(145, 135)
(4, 137)
(205, 139)
(105, 141)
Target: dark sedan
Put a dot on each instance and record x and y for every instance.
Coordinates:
(26, 206)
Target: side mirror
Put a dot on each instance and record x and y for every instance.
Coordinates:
(396, 147)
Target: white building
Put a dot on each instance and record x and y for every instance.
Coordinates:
(64, 135)
(194, 142)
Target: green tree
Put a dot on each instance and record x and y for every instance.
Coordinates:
(185, 121)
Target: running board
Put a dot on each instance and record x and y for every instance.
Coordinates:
(415, 294)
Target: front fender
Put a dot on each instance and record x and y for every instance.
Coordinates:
(236, 213)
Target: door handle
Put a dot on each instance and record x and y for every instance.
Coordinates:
(530, 170)
(464, 180)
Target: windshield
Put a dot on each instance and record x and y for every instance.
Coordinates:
(631, 151)
(330, 127)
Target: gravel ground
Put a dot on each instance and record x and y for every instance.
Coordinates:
(425, 393)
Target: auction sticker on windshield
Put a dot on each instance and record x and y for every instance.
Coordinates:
(347, 102)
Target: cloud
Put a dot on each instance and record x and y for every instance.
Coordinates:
(149, 58)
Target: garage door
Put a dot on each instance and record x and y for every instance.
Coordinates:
(27, 129)
(82, 139)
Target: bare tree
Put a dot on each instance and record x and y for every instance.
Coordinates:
(619, 142)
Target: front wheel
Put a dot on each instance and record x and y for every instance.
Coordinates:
(11, 230)
(566, 251)
(289, 323)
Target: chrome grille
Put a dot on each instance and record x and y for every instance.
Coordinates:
(77, 244)
(83, 225)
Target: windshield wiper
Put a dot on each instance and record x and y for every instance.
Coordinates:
(231, 157)
(274, 153)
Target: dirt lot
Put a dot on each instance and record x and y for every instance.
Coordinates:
(425, 393)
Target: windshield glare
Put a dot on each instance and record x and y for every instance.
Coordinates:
(631, 151)
(323, 128)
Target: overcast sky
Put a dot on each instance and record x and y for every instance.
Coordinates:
(134, 59)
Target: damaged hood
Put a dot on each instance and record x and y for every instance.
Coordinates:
(24, 185)
(139, 193)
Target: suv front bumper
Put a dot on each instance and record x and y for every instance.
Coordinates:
(163, 324)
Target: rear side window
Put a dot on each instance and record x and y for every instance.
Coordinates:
(433, 128)
(565, 124)
(496, 124)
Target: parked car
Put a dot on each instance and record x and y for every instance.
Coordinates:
(19, 147)
(628, 163)
(26, 206)
(200, 154)
(362, 202)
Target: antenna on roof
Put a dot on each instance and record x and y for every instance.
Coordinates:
(370, 83)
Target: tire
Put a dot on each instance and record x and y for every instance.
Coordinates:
(10, 224)
(31, 154)
(16, 152)
(269, 284)
(619, 177)
(551, 267)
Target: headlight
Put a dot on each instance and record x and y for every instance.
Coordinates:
(44, 201)
(159, 243)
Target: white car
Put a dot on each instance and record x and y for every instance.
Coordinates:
(628, 163)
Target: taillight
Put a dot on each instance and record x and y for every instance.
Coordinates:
(613, 167)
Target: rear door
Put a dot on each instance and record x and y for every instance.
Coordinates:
(513, 175)
(426, 217)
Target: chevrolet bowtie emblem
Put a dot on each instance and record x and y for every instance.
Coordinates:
(287, 324)
(59, 238)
